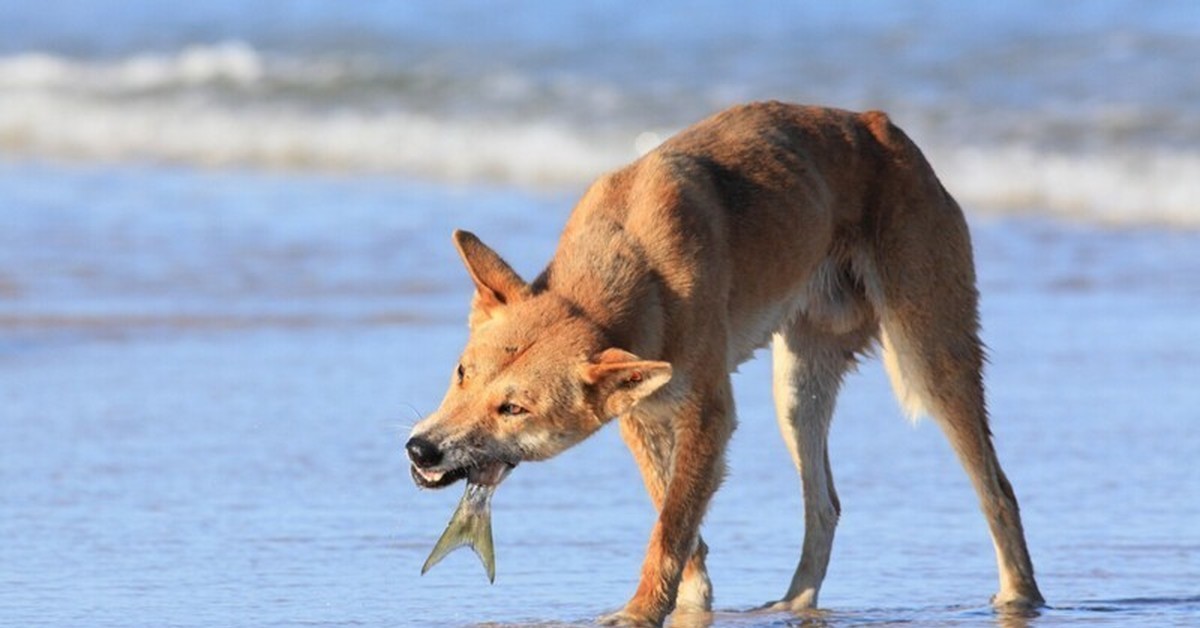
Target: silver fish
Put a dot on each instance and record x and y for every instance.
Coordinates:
(471, 525)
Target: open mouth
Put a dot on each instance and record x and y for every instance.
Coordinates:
(437, 479)
(487, 474)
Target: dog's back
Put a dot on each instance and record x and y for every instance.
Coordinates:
(764, 211)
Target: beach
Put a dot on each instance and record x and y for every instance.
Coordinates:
(215, 336)
(186, 448)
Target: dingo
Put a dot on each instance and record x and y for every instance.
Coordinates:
(819, 230)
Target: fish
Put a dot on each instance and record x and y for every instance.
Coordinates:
(471, 523)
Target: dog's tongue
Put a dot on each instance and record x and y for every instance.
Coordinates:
(490, 474)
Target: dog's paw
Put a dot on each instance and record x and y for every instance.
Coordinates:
(1018, 602)
(628, 618)
(804, 603)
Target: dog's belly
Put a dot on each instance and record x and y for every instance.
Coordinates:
(832, 299)
(752, 330)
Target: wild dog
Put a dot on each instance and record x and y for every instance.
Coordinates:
(820, 231)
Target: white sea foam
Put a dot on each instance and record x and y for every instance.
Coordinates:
(532, 153)
(177, 108)
(233, 62)
(1131, 187)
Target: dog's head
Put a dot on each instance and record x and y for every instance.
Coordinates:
(534, 379)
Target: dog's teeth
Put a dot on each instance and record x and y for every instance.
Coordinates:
(432, 476)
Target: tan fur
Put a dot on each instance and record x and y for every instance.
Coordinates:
(822, 228)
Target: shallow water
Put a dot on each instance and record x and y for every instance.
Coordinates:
(206, 380)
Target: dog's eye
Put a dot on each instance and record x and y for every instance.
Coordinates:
(461, 374)
(511, 409)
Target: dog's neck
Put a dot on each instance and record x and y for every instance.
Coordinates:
(608, 277)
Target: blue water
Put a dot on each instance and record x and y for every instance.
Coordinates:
(204, 410)
(1089, 110)
(227, 291)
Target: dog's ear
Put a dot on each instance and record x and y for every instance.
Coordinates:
(496, 283)
(621, 379)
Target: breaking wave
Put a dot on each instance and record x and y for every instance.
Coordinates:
(290, 138)
(1117, 188)
(229, 105)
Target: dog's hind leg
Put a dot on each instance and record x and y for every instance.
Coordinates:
(935, 359)
(809, 364)
(652, 441)
(935, 368)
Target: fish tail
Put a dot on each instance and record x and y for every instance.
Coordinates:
(471, 528)
(484, 548)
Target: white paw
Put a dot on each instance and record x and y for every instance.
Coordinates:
(803, 603)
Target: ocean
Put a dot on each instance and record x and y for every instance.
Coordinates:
(227, 291)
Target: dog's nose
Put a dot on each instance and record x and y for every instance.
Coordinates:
(422, 452)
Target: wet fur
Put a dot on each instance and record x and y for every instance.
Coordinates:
(822, 232)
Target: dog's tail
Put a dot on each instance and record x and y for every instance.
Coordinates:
(925, 285)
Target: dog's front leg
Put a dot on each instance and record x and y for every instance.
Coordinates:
(649, 433)
(702, 429)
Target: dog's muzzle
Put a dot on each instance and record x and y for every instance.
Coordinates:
(426, 456)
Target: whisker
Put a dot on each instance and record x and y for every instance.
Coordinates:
(408, 426)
